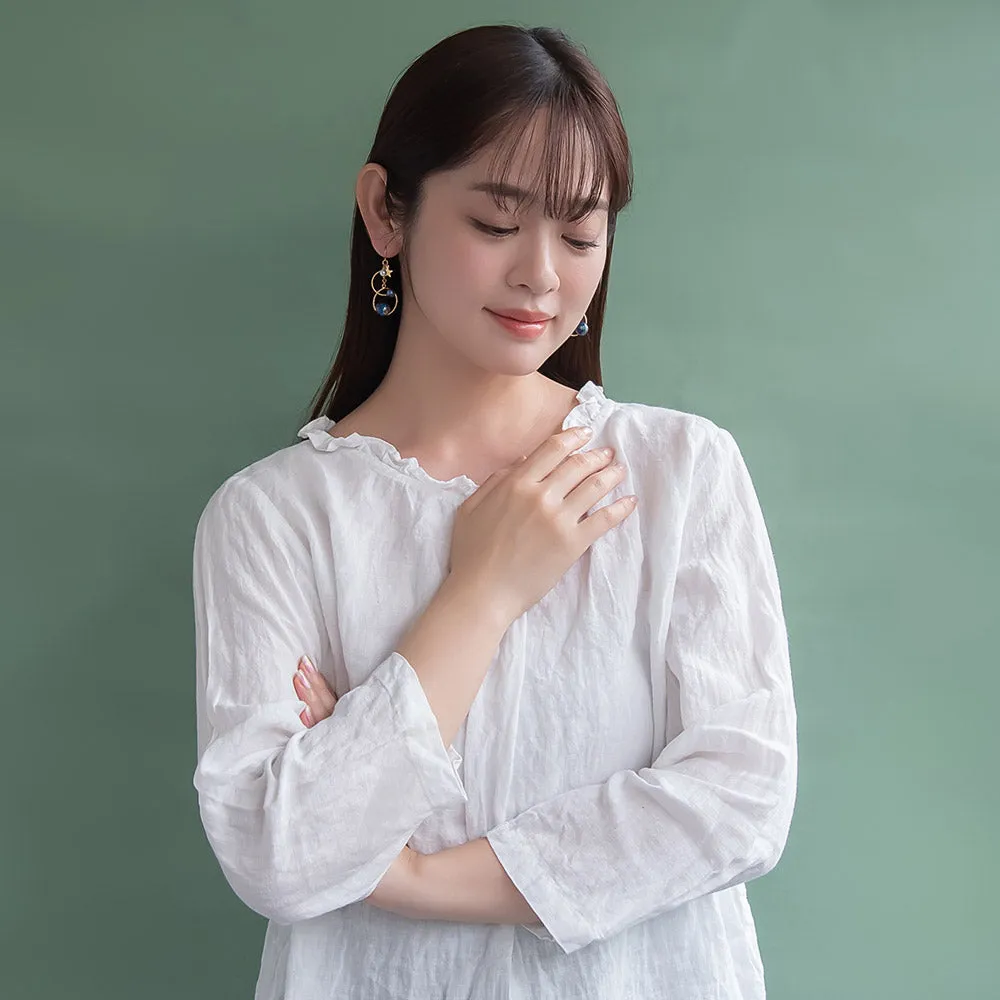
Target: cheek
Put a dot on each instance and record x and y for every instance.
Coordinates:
(482, 269)
(578, 279)
(453, 264)
(466, 272)
(588, 277)
(471, 253)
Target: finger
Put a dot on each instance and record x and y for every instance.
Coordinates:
(323, 693)
(308, 714)
(315, 692)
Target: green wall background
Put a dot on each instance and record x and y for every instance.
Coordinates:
(811, 260)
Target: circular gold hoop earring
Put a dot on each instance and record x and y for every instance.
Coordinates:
(387, 307)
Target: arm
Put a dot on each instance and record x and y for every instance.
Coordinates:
(715, 807)
(307, 820)
(465, 883)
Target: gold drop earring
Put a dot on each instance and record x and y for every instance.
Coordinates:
(389, 298)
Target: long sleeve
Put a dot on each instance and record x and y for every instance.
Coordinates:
(715, 807)
(301, 820)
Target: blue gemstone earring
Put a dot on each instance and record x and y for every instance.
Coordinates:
(391, 300)
(582, 329)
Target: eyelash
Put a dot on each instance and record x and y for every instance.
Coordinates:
(497, 231)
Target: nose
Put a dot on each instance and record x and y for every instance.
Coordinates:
(534, 267)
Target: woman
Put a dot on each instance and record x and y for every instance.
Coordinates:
(549, 733)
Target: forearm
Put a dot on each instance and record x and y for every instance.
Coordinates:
(467, 883)
(450, 648)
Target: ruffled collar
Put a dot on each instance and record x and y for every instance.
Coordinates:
(591, 400)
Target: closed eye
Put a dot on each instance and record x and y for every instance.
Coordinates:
(498, 232)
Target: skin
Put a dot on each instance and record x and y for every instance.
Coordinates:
(461, 394)
(465, 397)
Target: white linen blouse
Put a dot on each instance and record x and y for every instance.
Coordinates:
(631, 754)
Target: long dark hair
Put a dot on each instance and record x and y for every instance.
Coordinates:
(481, 85)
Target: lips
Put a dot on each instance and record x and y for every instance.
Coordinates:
(519, 328)
(522, 315)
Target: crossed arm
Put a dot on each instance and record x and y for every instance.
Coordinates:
(465, 883)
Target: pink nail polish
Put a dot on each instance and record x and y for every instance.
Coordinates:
(308, 664)
(303, 679)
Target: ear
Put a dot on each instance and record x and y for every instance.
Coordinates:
(370, 193)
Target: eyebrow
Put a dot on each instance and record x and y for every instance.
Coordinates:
(504, 191)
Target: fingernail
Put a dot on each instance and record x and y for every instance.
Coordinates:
(303, 679)
(584, 432)
(308, 664)
(308, 715)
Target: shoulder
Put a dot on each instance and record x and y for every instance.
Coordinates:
(654, 434)
(264, 496)
(675, 457)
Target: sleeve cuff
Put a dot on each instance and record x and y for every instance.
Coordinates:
(559, 921)
(435, 766)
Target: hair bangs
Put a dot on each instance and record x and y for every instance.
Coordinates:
(574, 162)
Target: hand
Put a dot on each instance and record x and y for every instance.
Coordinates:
(524, 527)
(396, 890)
